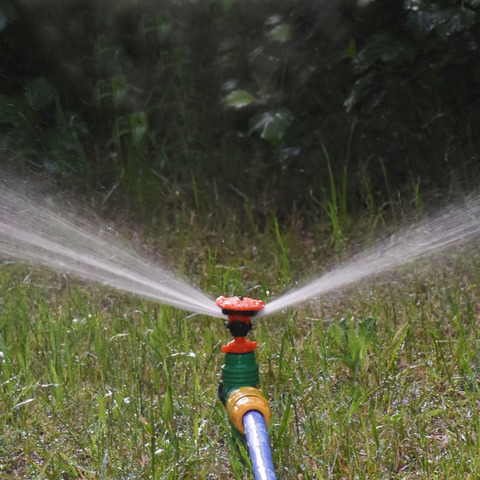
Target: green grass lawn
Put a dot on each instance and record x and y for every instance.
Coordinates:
(379, 383)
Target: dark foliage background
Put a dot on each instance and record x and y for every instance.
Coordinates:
(277, 105)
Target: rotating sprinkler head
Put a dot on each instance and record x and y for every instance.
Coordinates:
(240, 311)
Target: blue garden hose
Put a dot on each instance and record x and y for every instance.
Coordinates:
(258, 446)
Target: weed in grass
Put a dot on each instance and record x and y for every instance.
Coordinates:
(391, 200)
(353, 342)
(335, 209)
(375, 215)
(417, 197)
(283, 256)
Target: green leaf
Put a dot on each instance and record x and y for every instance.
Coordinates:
(147, 426)
(385, 48)
(163, 25)
(102, 412)
(272, 126)
(168, 404)
(367, 330)
(425, 17)
(351, 50)
(138, 125)
(454, 20)
(396, 344)
(239, 99)
(358, 91)
(280, 33)
(338, 334)
(421, 16)
(119, 87)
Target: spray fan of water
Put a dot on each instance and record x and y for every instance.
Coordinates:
(452, 228)
(33, 233)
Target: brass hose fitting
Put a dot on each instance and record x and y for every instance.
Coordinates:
(244, 400)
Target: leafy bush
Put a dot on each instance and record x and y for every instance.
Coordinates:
(141, 98)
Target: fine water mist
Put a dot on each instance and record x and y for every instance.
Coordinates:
(452, 228)
(34, 233)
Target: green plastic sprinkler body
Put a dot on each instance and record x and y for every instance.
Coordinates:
(240, 370)
(240, 374)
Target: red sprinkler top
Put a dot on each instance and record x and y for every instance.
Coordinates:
(239, 311)
(240, 304)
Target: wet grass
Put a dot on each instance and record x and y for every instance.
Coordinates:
(381, 383)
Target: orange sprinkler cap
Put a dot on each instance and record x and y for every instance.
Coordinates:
(239, 345)
(240, 305)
